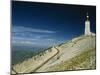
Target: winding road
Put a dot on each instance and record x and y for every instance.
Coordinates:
(46, 61)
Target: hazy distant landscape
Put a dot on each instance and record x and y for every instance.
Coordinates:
(21, 53)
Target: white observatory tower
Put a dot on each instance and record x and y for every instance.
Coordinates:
(87, 26)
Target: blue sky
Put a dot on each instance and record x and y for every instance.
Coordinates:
(44, 24)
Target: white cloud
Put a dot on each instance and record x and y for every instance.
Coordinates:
(30, 36)
(33, 41)
(17, 29)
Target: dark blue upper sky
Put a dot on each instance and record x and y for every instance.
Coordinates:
(36, 23)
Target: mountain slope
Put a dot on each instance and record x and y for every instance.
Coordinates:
(70, 50)
(85, 60)
(62, 57)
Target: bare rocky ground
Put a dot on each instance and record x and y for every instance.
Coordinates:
(78, 53)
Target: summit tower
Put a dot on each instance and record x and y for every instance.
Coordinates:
(87, 26)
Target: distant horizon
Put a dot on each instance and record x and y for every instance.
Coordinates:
(44, 24)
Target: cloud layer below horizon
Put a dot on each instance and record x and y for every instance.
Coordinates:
(25, 36)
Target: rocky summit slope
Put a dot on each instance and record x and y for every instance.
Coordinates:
(78, 53)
